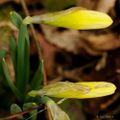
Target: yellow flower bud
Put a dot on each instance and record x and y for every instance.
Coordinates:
(79, 90)
(74, 18)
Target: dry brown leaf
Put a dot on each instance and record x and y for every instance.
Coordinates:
(104, 42)
(105, 5)
(73, 41)
(89, 4)
(102, 62)
(66, 39)
(99, 5)
(4, 1)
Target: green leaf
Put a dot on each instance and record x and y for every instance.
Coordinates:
(26, 57)
(22, 59)
(9, 81)
(79, 90)
(20, 54)
(13, 50)
(2, 53)
(37, 79)
(33, 114)
(14, 109)
(56, 112)
(16, 19)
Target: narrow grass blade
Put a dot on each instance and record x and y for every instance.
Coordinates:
(37, 79)
(16, 19)
(9, 81)
(56, 112)
(13, 50)
(26, 57)
(22, 59)
(2, 55)
(20, 78)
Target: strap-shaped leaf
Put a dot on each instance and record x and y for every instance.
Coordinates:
(13, 50)
(20, 55)
(16, 19)
(56, 112)
(75, 18)
(2, 55)
(22, 59)
(78, 90)
(37, 79)
(26, 57)
(9, 81)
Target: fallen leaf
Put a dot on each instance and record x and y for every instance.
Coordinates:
(76, 41)
(104, 6)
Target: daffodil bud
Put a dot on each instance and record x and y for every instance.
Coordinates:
(79, 90)
(74, 18)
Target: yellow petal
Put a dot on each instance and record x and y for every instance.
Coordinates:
(74, 18)
(98, 89)
(78, 90)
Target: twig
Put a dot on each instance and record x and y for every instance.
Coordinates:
(35, 113)
(109, 102)
(39, 50)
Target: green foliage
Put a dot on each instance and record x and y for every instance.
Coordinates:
(16, 109)
(16, 19)
(9, 81)
(33, 114)
(37, 79)
(2, 55)
(20, 53)
(22, 60)
(13, 51)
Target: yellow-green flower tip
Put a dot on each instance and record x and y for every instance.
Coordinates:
(98, 89)
(80, 90)
(75, 18)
